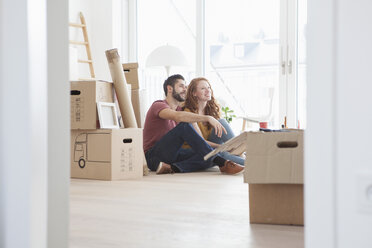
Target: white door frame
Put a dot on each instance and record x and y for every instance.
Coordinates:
(320, 137)
(58, 124)
(288, 63)
(338, 172)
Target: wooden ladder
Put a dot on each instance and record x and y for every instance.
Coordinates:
(85, 43)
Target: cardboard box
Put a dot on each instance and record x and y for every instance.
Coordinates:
(274, 171)
(120, 119)
(107, 154)
(131, 74)
(139, 103)
(274, 157)
(276, 204)
(84, 98)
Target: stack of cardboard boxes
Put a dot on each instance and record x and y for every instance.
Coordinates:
(105, 154)
(274, 171)
(137, 93)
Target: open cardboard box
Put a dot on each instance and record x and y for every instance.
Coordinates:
(274, 172)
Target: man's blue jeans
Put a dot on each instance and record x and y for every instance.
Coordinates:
(225, 137)
(169, 150)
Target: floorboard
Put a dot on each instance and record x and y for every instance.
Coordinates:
(204, 209)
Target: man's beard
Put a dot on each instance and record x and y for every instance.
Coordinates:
(177, 96)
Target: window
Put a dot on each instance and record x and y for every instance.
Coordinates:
(242, 55)
(160, 23)
(254, 52)
(302, 66)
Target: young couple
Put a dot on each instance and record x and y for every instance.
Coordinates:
(167, 128)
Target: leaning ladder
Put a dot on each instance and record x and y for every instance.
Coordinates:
(85, 43)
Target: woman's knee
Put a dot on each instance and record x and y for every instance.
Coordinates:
(186, 125)
(223, 122)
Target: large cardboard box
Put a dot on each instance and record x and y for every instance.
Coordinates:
(84, 98)
(276, 204)
(274, 172)
(107, 154)
(131, 74)
(139, 103)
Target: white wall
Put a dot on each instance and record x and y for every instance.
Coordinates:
(34, 124)
(319, 136)
(23, 124)
(337, 162)
(354, 118)
(106, 23)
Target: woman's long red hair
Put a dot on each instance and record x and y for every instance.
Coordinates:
(212, 108)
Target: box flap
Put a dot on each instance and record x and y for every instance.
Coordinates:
(274, 157)
(235, 144)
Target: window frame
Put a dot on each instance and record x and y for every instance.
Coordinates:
(288, 85)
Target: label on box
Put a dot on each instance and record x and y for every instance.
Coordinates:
(127, 159)
(77, 109)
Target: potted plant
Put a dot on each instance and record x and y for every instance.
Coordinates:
(228, 114)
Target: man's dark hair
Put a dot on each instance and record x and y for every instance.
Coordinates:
(171, 81)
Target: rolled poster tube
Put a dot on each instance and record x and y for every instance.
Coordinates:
(120, 85)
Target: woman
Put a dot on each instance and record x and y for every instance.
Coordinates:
(200, 100)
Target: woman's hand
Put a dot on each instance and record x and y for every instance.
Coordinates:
(218, 128)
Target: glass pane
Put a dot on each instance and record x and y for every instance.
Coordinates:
(301, 81)
(160, 23)
(242, 45)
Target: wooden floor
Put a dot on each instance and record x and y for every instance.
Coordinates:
(203, 209)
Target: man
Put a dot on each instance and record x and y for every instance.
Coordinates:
(163, 138)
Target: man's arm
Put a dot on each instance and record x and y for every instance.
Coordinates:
(183, 116)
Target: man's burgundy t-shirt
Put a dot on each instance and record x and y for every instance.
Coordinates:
(155, 127)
